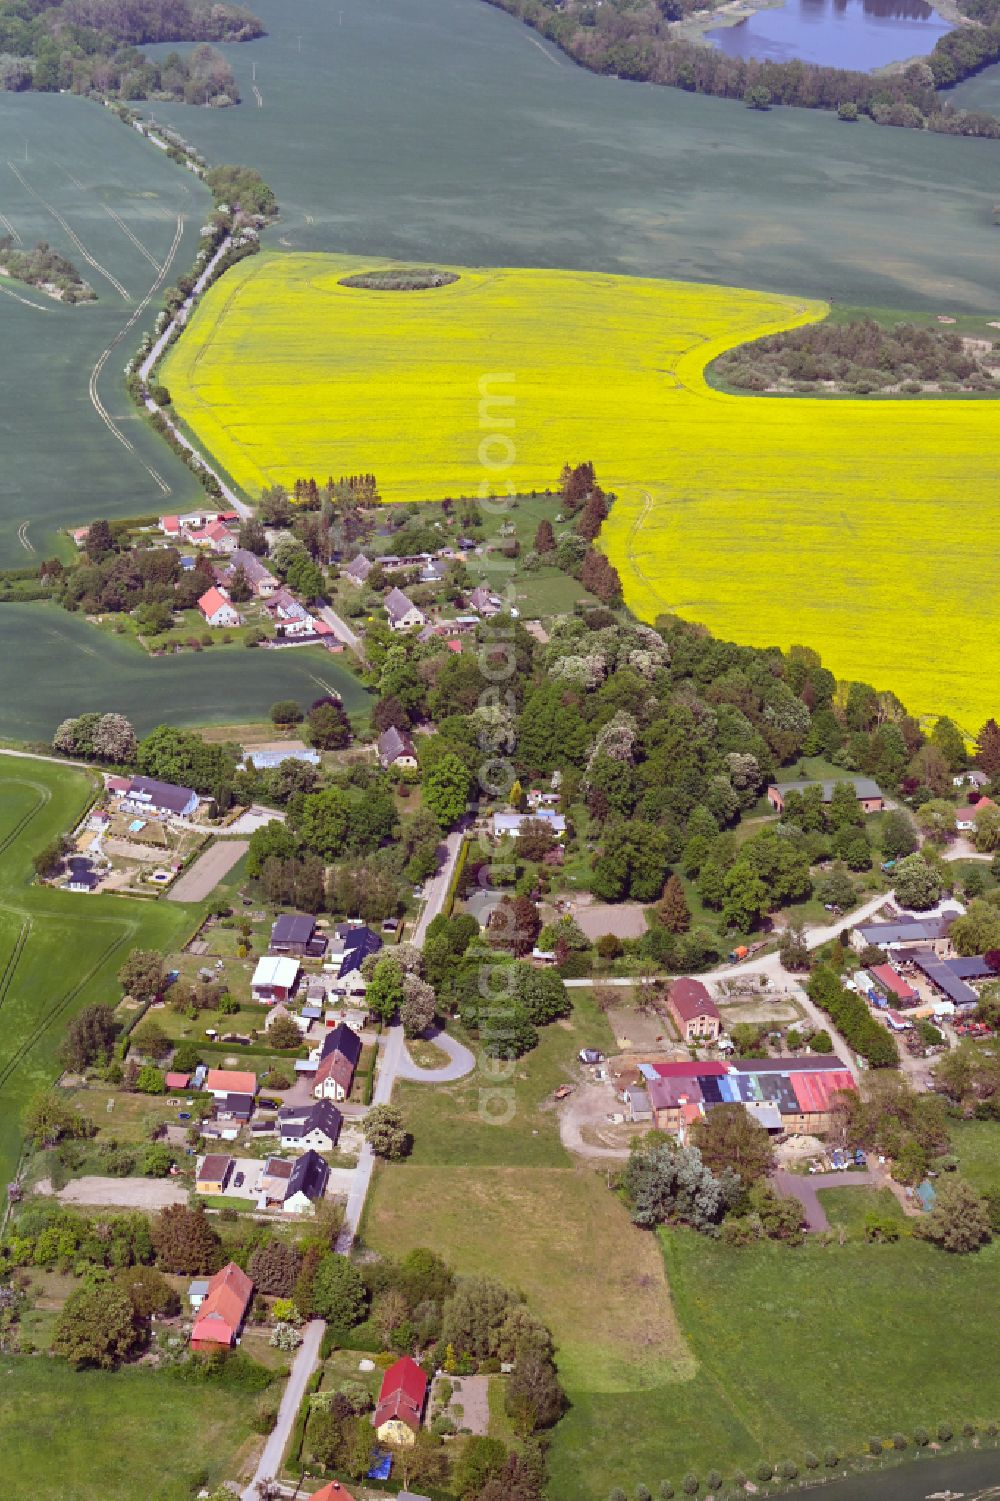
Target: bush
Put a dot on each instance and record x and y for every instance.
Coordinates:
(713, 1480)
(643, 1493)
(899, 1441)
(765, 1472)
(788, 1469)
(831, 1458)
(969, 1429)
(874, 1446)
(945, 1432)
(921, 1437)
(689, 1485)
(811, 1460)
(666, 1492)
(265, 1415)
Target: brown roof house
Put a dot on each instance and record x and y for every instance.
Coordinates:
(694, 1012)
(214, 1173)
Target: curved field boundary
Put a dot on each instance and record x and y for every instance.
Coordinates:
(49, 1018)
(864, 529)
(45, 795)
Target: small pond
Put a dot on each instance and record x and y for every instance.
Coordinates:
(860, 34)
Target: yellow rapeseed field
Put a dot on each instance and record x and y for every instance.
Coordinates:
(868, 530)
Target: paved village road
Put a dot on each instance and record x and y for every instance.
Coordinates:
(342, 630)
(305, 1362)
(461, 1062)
(436, 888)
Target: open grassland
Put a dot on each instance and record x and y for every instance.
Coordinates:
(101, 1437)
(59, 950)
(558, 1235)
(795, 1350)
(843, 525)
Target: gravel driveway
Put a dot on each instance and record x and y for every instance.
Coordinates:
(124, 1193)
(201, 878)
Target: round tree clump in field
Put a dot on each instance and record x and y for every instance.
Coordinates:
(400, 279)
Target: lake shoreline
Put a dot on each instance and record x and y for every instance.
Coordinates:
(700, 25)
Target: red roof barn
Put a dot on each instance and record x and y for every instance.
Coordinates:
(220, 1317)
(693, 1010)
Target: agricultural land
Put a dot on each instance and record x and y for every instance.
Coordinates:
(56, 956)
(861, 501)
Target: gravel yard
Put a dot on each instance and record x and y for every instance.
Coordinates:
(200, 879)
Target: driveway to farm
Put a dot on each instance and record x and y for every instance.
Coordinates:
(462, 1062)
(201, 878)
(121, 1193)
(806, 1190)
(305, 1362)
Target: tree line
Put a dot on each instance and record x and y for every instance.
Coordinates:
(89, 46)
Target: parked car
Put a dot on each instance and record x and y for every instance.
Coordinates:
(239, 1180)
(184, 1115)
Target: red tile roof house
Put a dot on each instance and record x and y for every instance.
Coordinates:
(220, 1317)
(217, 609)
(695, 1014)
(333, 1492)
(224, 1081)
(216, 536)
(400, 1407)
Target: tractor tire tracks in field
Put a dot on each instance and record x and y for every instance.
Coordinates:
(102, 359)
(26, 301)
(91, 261)
(148, 254)
(48, 1020)
(11, 230)
(23, 538)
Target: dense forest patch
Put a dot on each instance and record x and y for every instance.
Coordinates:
(46, 269)
(862, 358)
(400, 279)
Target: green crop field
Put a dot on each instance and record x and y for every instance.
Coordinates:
(445, 130)
(53, 664)
(69, 168)
(59, 950)
(284, 371)
(100, 1436)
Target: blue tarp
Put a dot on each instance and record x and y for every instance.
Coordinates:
(381, 1465)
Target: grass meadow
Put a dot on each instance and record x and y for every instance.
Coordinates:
(59, 950)
(864, 504)
(97, 1436)
(794, 1350)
